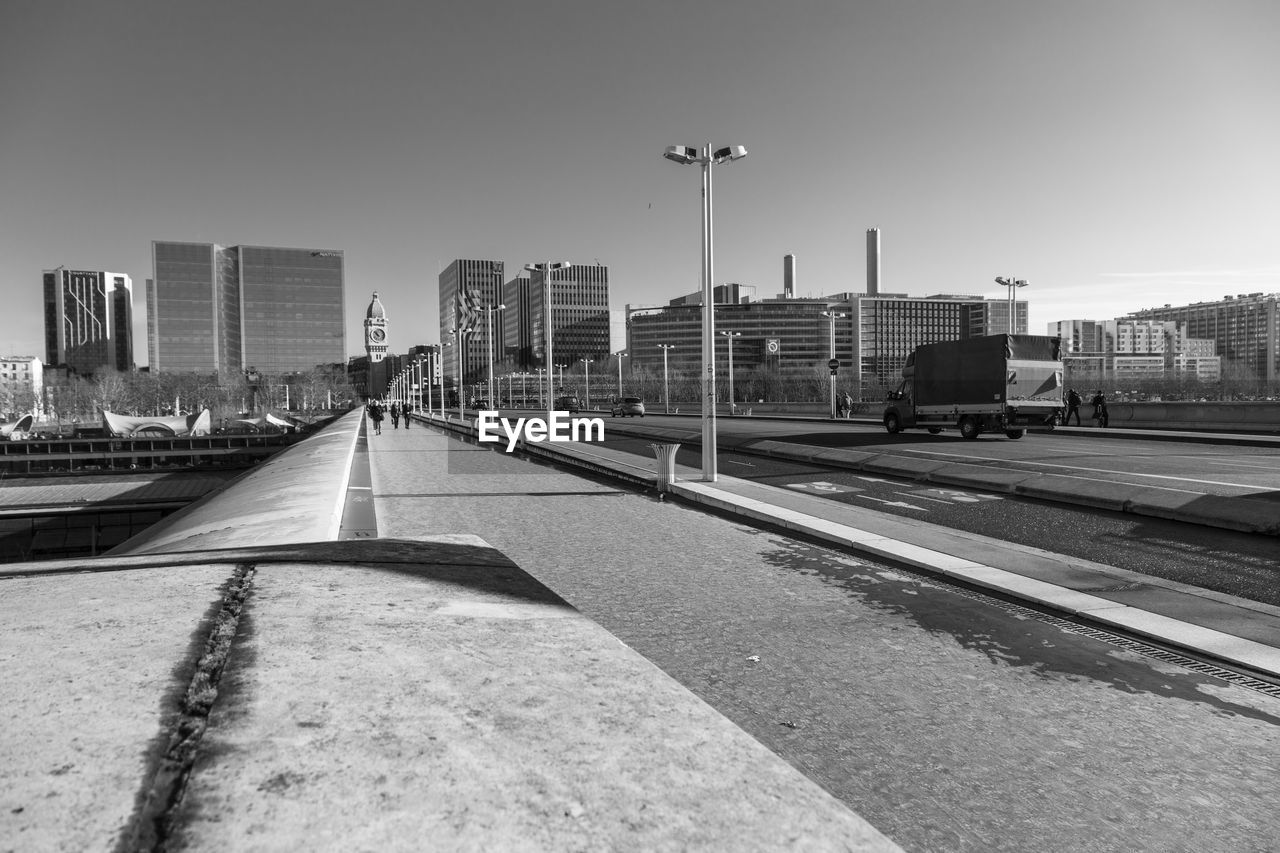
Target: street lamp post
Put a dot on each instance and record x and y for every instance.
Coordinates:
(457, 335)
(1013, 284)
(586, 404)
(833, 315)
(666, 389)
(547, 268)
(685, 155)
(620, 356)
(543, 373)
(488, 332)
(731, 336)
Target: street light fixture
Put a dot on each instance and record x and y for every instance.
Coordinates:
(731, 336)
(834, 316)
(488, 332)
(620, 356)
(547, 268)
(1013, 285)
(687, 156)
(457, 340)
(666, 391)
(586, 404)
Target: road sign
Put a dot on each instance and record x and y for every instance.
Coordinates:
(833, 364)
(773, 346)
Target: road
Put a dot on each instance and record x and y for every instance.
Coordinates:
(1211, 558)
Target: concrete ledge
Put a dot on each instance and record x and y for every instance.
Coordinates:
(295, 496)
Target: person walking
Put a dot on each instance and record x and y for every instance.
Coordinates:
(848, 405)
(1073, 407)
(375, 415)
(1099, 403)
(395, 415)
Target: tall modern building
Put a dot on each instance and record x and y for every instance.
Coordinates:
(873, 334)
(467, 289)
(88, 320)
(579, 314)
(219, 309)
(1245, 330)
(1134, 349)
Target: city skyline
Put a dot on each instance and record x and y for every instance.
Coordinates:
(1115, 155)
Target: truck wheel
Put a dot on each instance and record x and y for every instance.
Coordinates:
(1014, 433)
(969, 427)
(891, 423)
(935, 430)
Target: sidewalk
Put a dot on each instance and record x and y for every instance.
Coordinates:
(1231, 630)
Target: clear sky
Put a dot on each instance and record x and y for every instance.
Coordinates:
(1117, 155)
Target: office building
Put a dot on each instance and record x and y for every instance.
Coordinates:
(1128, 349)
(470, 293)
(873, 334)
(1245, 330)
(579, 316)
(88, 320)
(21, 386)
(219, 309)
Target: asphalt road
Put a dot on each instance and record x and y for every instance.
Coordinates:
(1211, 558)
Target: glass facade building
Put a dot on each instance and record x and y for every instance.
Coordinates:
(216, 309)
(88, 320)
(792, 337)
(483, 281)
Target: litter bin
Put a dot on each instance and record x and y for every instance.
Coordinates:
(666, 454)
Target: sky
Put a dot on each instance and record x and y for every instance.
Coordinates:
(1116, 155)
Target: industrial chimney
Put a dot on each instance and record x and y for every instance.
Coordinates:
(789, 277)
(873, 261)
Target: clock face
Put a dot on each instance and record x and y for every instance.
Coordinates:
(377, 335)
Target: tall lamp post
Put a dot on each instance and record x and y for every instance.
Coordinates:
(731, 336)
(462, 402)
(666, 389)
(547, 268)
(620, 356)
(706, 158)
(586, 362)
(1013, 284)
(833, 315)
(488, 332)
(543, 373)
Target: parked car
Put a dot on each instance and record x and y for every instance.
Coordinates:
(629, 406)
(568, 404)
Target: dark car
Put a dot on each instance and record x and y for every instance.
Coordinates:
(629, 406)
(568, 404)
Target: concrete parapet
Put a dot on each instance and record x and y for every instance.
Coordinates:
(295, 496)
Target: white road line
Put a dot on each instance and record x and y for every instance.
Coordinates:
(923, 498)
(1093, 470)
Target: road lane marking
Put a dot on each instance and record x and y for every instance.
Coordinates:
(1096, 471)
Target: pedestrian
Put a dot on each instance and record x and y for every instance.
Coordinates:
(1099, 403)
(375, 415)
(1073, 406)
(848, 405)
(405, 412)
(395, 415)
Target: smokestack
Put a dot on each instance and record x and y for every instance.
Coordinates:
(873, 261)
(789, 277)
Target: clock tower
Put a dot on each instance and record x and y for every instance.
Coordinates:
(375, 331)
(375, 347)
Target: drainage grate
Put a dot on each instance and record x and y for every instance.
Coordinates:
(1128, 643)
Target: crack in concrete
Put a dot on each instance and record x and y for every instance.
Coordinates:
(151, 826)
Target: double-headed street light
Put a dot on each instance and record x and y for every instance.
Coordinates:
(546, 269)
(620, 356)
(488, 331)
(731, 336)
(666, 391)
(834, 316)
(685, 156)
(1013, 284)
(586, 404)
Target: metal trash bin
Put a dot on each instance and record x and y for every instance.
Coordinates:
(666, 454)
